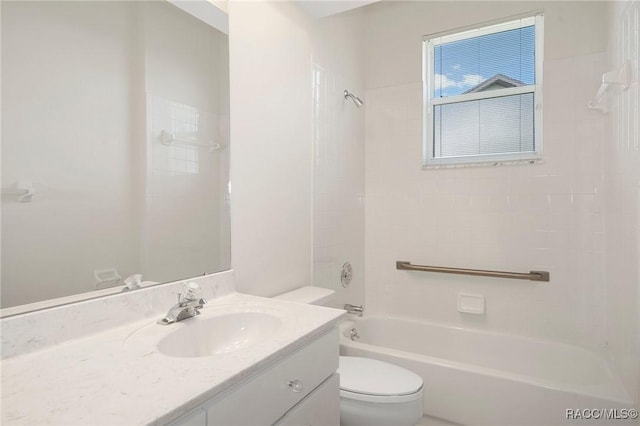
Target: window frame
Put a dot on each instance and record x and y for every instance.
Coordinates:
(429, 42)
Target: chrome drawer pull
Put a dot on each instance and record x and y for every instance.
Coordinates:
(295, 385)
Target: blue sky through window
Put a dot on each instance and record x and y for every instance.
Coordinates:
(462, 65)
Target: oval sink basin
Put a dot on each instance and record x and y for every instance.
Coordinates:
(219, 334)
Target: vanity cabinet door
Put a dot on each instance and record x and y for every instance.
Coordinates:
(320, 408)
(196, 418)
(263, 399)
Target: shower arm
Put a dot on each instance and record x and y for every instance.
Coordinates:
(356, 100)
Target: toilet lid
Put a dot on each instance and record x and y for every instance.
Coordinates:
(373, 377)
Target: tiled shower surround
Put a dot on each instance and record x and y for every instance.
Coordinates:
(546, 216)
(622, 203)
(575, 214)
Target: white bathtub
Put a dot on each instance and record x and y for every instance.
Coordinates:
(483, 378)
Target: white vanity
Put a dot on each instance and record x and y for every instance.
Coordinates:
(301, 388)
(106, 361)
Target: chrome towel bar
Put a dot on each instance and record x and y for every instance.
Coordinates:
(532, 275)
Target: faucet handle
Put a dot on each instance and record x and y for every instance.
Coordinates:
(190, 291)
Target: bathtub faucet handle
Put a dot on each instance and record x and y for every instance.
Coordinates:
(353, 334)
(354, 309)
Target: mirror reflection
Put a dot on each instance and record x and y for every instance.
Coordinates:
(115, 148)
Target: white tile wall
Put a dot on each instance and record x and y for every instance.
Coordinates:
(338, 159)
(554, 216)
(622, 203)
(178, 173)
(546, 216)
(186, 97)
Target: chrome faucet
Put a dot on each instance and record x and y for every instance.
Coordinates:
(354, 309)
(189, 305)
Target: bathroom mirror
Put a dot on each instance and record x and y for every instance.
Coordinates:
(115, 147)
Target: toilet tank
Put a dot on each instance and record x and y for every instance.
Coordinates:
(309, 295)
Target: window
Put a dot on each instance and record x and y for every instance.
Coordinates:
(483, 94)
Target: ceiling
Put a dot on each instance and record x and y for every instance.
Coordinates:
(323, 8)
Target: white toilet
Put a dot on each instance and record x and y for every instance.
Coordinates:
(372, 392)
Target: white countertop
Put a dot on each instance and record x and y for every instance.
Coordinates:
(117, 376)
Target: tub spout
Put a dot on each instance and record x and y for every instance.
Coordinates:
(354, 309)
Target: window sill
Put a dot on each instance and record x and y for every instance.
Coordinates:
(494, 163)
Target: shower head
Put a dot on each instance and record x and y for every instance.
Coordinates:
(356, 100)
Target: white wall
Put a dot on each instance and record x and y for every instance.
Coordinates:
(516, 218)
(298, 149)
(622, 206)
(271, 165)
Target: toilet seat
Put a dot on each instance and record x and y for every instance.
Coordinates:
(370, 380)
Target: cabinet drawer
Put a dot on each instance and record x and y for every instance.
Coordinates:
(320, 408)
(195, 418)
(263, 399)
